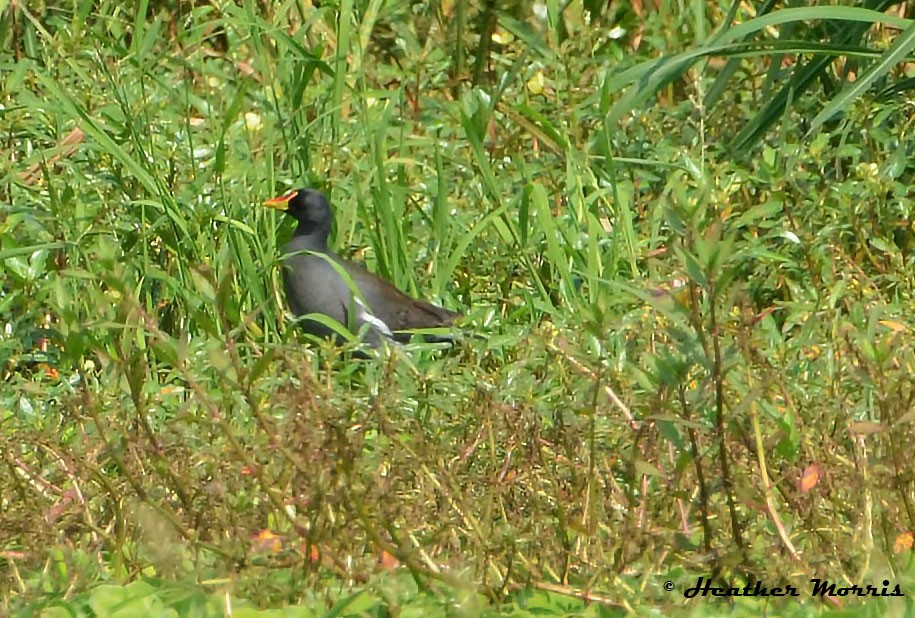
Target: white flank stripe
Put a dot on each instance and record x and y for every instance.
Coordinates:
(363, 315)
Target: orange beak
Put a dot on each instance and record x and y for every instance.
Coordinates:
(282, 202)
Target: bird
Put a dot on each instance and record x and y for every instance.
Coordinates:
(318, 282)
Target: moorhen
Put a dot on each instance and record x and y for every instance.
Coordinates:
(314, 285)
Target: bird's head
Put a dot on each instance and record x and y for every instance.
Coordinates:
(307, 206)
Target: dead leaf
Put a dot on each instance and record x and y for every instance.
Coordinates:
(388, 561)
(864, 428)
(809, 478)
(66, 148)
(903, 542)
(896, 327)
(266, 541)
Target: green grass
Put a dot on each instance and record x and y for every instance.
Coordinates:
(682, 300)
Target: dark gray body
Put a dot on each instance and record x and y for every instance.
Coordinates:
(313, 285)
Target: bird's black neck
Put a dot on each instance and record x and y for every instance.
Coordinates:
(310, 237)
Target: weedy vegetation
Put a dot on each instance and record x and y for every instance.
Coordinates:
(681, 234)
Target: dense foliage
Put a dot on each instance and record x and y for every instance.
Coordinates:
(681, 235)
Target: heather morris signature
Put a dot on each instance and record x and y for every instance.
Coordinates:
(820, 587)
